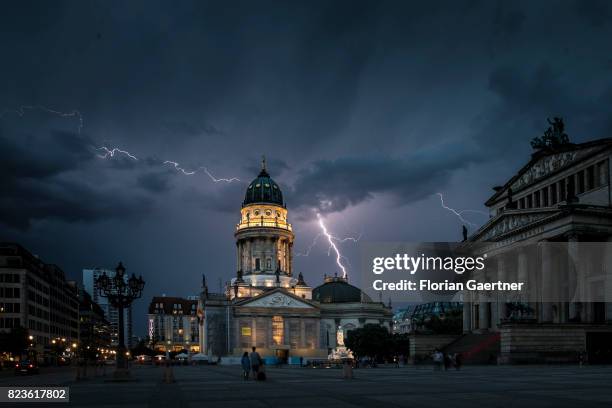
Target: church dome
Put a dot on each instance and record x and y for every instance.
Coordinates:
(263, 190)
(338, 290)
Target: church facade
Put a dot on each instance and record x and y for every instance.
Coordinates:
(561, 197)
(266, 305)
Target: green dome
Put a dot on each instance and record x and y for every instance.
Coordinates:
(337, 290)
(263, 190)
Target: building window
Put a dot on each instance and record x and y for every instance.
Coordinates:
(257, 264)
(278, 330)
(581, 182)
(553, 194)
(294, 334)
(245, 334)
(268, 264)
(590, 179)
(562, 196)
(536, 199)
(602, 171)
(529, 201)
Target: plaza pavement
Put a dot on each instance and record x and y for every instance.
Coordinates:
(222, 387)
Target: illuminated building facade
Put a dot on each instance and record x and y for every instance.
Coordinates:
(36, 296)
(266, 305)
(173, 324)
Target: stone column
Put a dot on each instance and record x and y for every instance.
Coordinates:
(483, 309)
(467, 315)
(254, 332)
(608, 274)
(501, 299)
(523, 276)
(290, 259)
(302, 333)
(249, 256)
(546, 283)
(576, 280)
(203, 333)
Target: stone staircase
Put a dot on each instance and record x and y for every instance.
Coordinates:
(476, 348)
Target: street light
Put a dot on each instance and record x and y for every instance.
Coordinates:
(120, 294)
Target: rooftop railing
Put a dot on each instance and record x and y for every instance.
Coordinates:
(271, 224)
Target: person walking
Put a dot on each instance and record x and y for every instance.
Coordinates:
(255, 362)
(437, 360)
(246, 365)
(458, 361)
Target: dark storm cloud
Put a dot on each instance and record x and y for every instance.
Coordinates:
(155, 182)
(48, 175)
(224, 198)
(189, 130)
(273, 164)
(29, 155)
(526, 97)
(333, 185)
(596, 12)
(28, 200)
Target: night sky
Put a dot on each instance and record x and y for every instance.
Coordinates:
(364, 111)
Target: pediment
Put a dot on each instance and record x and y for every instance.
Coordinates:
(277, 298)
(546, 163)
(509, 222)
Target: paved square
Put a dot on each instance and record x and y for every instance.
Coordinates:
(212, 387)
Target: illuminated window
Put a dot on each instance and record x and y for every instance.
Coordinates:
(268, 213)
(278, 330)
(256, 213)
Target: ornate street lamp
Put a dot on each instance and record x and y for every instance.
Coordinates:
(120, 294)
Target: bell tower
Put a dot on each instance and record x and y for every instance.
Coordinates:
(264, 237)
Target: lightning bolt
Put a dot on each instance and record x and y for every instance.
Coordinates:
(192, 172)
(312, 245)
(332, 245)
(106, 151)
(111, 153)
(22, 110)
(216, 180)
(177, 167)
(338, 240)
(459, 213)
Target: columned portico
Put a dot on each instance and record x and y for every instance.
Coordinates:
(557, 202)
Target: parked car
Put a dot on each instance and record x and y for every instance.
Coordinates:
(26, 367)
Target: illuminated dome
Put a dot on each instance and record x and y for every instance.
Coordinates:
(338, 290)
(263, 190)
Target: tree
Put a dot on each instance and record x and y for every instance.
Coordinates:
(370, 340)
(142, 349)
(451, 323)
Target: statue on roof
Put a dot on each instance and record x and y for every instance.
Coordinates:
(554, 136)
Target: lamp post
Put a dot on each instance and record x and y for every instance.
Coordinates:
(120, 294)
